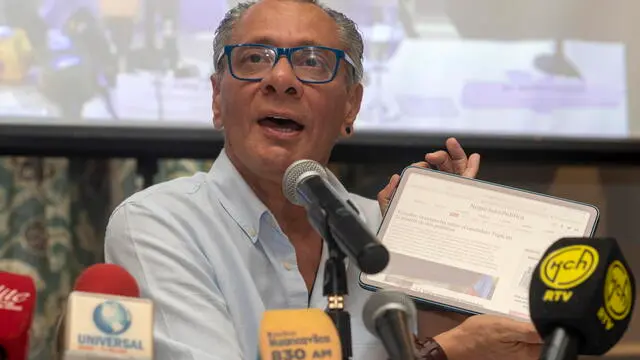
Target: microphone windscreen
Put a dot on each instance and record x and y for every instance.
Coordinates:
(105, 318)
(107, 279)
(294, 174)
(584, 286)
(384, 300)
(17, 302)
(298, 334)
(17, 305)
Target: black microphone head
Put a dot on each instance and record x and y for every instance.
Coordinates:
(585, 286)
(384, 300)
(296, 172)
(373, 258)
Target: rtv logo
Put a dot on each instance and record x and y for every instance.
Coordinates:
(12, 299)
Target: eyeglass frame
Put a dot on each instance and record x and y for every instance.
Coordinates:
(287, 52)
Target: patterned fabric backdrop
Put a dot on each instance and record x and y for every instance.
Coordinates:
(53, 212)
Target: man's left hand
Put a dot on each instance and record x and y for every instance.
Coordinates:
(454, 160)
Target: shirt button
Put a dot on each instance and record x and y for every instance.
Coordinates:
(288, 266)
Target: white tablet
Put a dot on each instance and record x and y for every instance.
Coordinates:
(468, 245)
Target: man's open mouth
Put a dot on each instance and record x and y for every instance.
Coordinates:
(281, 124)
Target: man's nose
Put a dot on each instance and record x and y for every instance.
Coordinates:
(282, 79)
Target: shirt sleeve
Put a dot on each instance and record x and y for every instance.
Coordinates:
(191, 316)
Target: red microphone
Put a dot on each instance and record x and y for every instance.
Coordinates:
(17, 303)
(105, 318)
(109, 279)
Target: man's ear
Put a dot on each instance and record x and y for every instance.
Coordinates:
(354, 101)
(215, 101)
(354, 96)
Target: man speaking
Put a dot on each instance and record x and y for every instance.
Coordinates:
(215, 250)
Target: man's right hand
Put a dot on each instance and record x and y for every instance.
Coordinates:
(489, 337)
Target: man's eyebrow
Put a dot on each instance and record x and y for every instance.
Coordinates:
(265, 40)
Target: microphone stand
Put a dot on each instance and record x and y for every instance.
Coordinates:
(335, 288)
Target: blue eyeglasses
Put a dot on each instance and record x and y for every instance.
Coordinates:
(311, 64)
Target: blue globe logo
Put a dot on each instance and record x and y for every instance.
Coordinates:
(112, 318)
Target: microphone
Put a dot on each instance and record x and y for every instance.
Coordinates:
(17, 304)
(105, 319)
(391, 316)
(298, 334)
(109, 279)
(305, 183)
(581, 297)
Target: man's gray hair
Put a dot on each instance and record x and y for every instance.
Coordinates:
(347, 31)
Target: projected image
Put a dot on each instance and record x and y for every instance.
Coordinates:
(438, 79)
(143, 61)
(492, 87)
(116, 60)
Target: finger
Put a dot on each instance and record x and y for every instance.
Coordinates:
(384, 196)
(473, 166)
(441, 160)
(458, 156)
(393, 184)
(455, 149)
(422, 164)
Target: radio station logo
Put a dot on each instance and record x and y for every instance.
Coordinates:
(113, 320)
(12, 299)
(565, 269)
(618, 295)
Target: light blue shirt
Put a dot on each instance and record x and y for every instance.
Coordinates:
(210, 255)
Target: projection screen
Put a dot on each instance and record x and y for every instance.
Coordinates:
(543, 68)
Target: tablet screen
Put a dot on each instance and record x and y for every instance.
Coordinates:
(470, 245)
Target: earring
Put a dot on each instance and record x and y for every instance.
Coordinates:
(348, 130)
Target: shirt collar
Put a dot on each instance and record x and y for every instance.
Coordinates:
(237, 197)
(241, 202)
